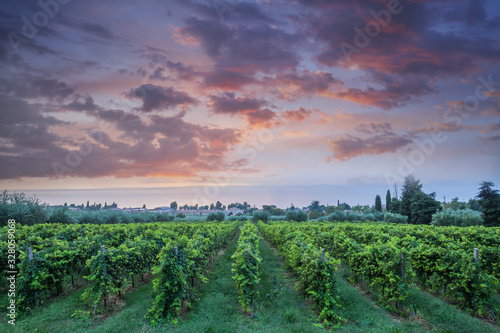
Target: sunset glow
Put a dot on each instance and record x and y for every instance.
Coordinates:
(349, 94)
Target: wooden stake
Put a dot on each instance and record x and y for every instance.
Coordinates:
(30, 258)
(104, 273)
(323, 255)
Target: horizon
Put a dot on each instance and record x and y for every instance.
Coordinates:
(258, 195)
(341, 98)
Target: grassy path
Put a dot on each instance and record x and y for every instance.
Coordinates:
(279, 308)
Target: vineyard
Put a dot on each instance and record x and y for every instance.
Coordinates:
(393, 264)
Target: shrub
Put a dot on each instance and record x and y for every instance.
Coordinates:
(260, 216)
(313, 214)
(395, 218)
(296, 215)
(338, 215)
(219, 216)
(460, 218)
(60, 215)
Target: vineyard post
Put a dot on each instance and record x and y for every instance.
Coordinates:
(104, 273)
(30, 258)
(322, 254)
(176, 253)
(476, 259)
(402, 272)
(251, 299)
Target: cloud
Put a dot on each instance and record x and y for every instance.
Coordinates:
(422, 39)
(160, 146)
(298, 115)
(382, 140)
(491, 138)
(29, 86)
(229, 103)
(306, 83)
(252, 109)
(159, 98)
(255, 48)
(227, 79)
(396, 92)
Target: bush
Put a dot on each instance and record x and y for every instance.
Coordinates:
(219, 216)
(338, 215)
(60, 215)
(460, 218)
(296, 215)
(395, 218)
(260, 216)
(180, 215)
(26, 210)
(313, 214)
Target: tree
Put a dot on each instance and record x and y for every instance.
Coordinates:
(219, 216)
(314, 205)
(313, 214)
(388, 200)
(144, 206)
(24, 209)
(474, 205)
(260, 216)
(174, 205)
(296, 215)
(218, 205)
(331, 209)
(489, 200)
(378, 203)
(456, 204)
(411, 188)
(461, 218)
(212, 206)
(423, 206)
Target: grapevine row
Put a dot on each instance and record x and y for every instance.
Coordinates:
(314, 267)
(247, 266)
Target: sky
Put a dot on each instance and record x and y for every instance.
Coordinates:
(285, 96)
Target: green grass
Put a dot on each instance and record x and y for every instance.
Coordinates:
(446, 318)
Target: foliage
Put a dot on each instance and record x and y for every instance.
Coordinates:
(460, 218)
(60, 215)
(247, 266)
(388, 201)
(313, 214)
(423, 206)
(411, 187)
(181, 260)
(260, 216)
(378, 203)
(395, 218)
(316, 270)
(395, 206)
(489, 200)
(219, 216)
(296, 215)
(24, 209)
(440, 259)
